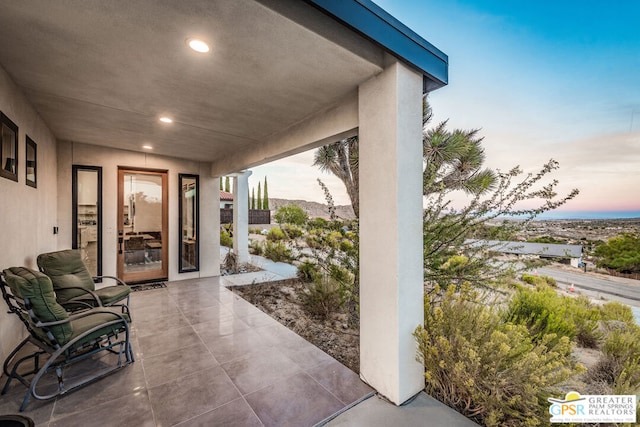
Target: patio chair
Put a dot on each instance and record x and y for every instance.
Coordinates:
(60, 338)
(74, 286)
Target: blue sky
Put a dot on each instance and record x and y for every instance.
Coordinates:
(545, 79)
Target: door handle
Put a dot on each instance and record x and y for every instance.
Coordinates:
(120, 242)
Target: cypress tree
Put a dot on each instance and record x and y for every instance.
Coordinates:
(227, 185)
(253, 198)
(220, 180)
(265, 196)
(259, 196)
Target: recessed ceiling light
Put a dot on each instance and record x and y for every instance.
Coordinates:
(198, 45)
(166, 120)
(147, 147)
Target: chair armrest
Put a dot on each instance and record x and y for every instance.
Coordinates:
(118, 281)
(118, 317)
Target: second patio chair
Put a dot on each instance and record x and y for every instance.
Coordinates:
(74, 286)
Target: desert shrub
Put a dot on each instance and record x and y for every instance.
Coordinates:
(586, 317)
(308, 271)
(619, 365)
(543, 312)
(333, 239)
(230, 263)
(276, 234)
(255, 247)
(277, 252)
(290, 214)
(318, 223)
(539, 281)
(313, 238)
(617, 311)
(487, 368)
(225, 238)
(292, 231)
(323, 296)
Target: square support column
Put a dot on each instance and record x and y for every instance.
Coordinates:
(241, 216)
(209, 224)
(391, 265)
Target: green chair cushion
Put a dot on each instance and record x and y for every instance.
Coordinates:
(111, 294)
(37, 287)
(86, 323)
(66, 270)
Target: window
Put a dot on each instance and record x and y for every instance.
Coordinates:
(189, 249)
(9, 149)
(31, 163)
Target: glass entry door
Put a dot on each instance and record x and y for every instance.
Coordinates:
(142, 225)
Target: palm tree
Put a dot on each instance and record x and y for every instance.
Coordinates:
(341, 159)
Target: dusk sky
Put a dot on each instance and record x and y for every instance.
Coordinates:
(544, 79)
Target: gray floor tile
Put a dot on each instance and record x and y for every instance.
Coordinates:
(259, 369)
(169, 366)
(233, 414)
(237, 345)
(192, 395)
(294, 401)
(215, 311)
(341, 381)
(125, 382)
(132, 410)
(167, 341)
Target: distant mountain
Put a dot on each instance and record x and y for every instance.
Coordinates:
(313, 209)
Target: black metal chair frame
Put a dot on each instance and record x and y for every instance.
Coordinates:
(61, 356)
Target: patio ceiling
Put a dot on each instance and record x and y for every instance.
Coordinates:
(104, 72)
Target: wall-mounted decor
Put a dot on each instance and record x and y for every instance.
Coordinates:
(32, 163)
(9, 149)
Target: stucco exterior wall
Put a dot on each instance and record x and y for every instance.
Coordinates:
(27, 215)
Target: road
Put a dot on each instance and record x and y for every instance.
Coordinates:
(611, 288)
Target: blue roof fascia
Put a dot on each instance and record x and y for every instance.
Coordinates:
(375, 23)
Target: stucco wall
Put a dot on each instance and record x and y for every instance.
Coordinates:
(27, 215)
(74, 153)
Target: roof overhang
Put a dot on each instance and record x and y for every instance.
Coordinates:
(102, 72)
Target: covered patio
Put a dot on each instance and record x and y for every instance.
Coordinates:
(89, 81)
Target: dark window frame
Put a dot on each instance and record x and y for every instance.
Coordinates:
(31, 143)
(196, 220)
(13, 176)
(74, 202)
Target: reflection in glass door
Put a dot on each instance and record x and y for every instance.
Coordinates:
(142, 225)
(87, 214)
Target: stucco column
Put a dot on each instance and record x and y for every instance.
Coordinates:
(209, 223)
(391, 275)
(241, 216)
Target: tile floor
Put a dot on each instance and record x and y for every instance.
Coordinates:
(205, 357)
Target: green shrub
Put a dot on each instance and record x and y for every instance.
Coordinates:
(539, 281)
(277, 252)
(619, 366)
(225, 238)
(292, 231)
(276, 234)
(486, 367)
(617, 311)
(291, 214)
(586, 317)
(255, 247)
(318, 223)
(543, 312)
(333, 239)
(308, 271)
(323, 296)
